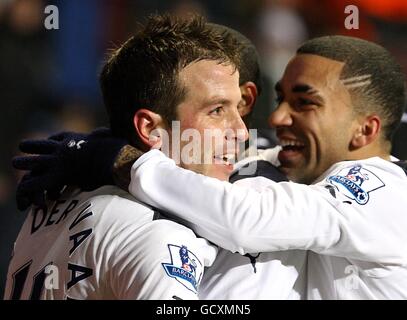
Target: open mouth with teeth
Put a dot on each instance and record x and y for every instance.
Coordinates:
(290, 149)
(293, 145)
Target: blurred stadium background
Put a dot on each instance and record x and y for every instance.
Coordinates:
(49, 78)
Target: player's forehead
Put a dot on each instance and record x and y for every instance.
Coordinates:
(204, 73)
(311, 70)
(208, 83)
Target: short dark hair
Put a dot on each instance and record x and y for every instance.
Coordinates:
(368, 63)
(249, 69)
(143, 72)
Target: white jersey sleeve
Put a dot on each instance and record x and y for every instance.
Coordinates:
(334, 216)
(264, 275)
(160, 264)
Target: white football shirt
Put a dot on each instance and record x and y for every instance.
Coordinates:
(105, 245)
(353, 220)
(261, 275)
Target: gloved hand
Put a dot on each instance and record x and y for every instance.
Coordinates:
(67, 158)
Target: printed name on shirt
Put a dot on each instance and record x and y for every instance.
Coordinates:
(42, 218)
(78, 272)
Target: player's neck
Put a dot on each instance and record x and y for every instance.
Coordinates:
(376, 149)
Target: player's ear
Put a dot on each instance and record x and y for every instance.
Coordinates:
(249, 95)
(367, 131)
(150, 128)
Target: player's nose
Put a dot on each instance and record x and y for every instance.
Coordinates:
(239, 129)
(281, 116)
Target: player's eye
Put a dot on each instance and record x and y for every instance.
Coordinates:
(304, 103)
(216, 111)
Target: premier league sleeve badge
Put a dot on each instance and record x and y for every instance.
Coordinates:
(356, 183)
(185, 267)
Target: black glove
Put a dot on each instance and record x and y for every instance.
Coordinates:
(67, 158)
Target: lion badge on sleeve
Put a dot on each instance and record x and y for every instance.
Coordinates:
(356, 183)
(185, 267)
